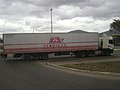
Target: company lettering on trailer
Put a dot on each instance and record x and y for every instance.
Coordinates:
(54, 45)
(55, 42)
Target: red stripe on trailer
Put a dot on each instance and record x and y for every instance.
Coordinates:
(47, 43)
(50, 49)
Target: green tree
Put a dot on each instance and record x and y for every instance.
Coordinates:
(115, 31)
(115, 25)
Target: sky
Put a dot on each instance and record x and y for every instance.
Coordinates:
(28, 16)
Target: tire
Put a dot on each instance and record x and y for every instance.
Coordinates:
(92, 53)
(35, 56)
(80, 54)
(44, 56)
(105, 53)
(108, 53)
(26, 56)
(5, 56)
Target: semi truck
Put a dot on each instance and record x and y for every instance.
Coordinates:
(41, 45)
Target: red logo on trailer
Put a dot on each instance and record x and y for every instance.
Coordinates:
(55, 40)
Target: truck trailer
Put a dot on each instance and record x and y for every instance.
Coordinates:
(41, 45)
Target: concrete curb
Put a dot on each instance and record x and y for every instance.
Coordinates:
(84, 71)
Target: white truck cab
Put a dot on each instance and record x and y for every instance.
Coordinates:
(106, 45)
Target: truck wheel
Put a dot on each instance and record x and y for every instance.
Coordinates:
(4, 56)
(26, 56)
(77, 55)
(87, 54)
(92, 54)
(35, 56)
(44, 56)
(107, 53)
(80, 54)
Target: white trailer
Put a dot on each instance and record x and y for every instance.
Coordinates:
(36, 45)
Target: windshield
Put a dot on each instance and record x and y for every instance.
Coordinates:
(110, 41)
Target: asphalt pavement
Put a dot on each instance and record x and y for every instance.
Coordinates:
(34, 75)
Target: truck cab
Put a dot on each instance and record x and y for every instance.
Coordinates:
(106, 45)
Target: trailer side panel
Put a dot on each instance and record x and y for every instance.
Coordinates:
(33, 43)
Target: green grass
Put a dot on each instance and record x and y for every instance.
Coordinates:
(113, 66)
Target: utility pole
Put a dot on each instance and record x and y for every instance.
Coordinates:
(33, 30)
(51, 22)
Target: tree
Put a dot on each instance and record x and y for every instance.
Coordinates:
(115, 31)
(115, 25)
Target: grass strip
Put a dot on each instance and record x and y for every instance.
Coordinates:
(113, 66)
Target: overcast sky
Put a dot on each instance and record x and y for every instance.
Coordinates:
(24, 16)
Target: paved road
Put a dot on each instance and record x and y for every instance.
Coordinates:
(34, 75)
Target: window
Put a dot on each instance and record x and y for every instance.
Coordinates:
(110, 41)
